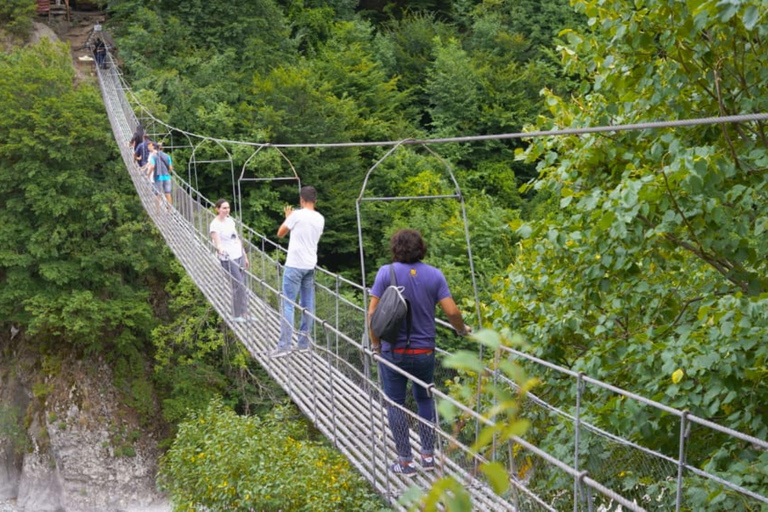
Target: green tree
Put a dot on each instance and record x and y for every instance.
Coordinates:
(16, 17)
(222, 461)
(655, 260)
(77, 253)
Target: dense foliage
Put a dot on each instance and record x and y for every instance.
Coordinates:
(221, 461)
(16, 18)
(77, 258)
(665, 230)
(313, 72)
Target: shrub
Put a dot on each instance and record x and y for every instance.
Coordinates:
(16, 16)
(221, 461)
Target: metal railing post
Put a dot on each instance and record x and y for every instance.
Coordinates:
(577, 427)
(684, 431)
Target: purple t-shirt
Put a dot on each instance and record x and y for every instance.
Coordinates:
(424, 286)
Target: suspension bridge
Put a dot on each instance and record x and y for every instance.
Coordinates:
(335, 384)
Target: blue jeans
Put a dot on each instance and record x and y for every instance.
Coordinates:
(239, 295)
(421, 366)
(302, 282)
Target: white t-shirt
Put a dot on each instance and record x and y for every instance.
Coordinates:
(228, 237)
(305, 226)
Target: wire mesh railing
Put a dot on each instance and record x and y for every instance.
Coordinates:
(336, 385)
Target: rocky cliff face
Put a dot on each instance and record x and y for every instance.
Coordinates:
(67, 441)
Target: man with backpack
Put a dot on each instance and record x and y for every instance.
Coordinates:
(412, 349)
(161, 165)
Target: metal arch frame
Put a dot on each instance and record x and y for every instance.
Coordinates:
(458, 195)
(242, 177)
(193, 161)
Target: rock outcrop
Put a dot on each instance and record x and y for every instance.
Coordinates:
(68, 443)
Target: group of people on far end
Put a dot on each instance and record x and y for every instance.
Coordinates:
(155, 163)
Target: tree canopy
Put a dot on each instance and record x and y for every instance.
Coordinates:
(77, 256)
(663, 229)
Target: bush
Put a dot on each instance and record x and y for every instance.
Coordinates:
(16, 16)
(12, 430)
(221, 461)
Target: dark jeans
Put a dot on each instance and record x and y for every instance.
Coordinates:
(422, 367)
(239, 296)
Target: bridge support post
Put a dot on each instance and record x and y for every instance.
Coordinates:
(577, 428)
(685, 430)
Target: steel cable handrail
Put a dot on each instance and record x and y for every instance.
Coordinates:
(557, 132)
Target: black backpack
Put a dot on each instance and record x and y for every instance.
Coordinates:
(392, 310)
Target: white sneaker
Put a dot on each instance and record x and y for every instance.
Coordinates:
(280, 353)
(239, 320)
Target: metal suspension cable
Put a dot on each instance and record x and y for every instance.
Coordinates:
(650, 125)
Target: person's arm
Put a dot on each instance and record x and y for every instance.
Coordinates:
(284, 229)
(217, 243)
(375, 341)
(451, 310)
(246, 263)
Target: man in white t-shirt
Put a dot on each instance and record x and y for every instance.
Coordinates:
(305, 226)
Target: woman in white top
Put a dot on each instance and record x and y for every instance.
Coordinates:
(232, 256)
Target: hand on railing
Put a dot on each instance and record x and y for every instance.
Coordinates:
(467, 330)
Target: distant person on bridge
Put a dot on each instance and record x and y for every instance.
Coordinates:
(233, 258)
(138, 137)
(425, 287)
(100, 53)
(305, 226)
(159, 169)
(141, 153)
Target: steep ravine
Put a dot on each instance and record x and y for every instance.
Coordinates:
(69, 443)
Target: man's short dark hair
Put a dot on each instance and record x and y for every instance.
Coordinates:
(308, 194)
(145, 137)
(407, 246)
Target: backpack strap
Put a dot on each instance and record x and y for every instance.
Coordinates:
(408, 318)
